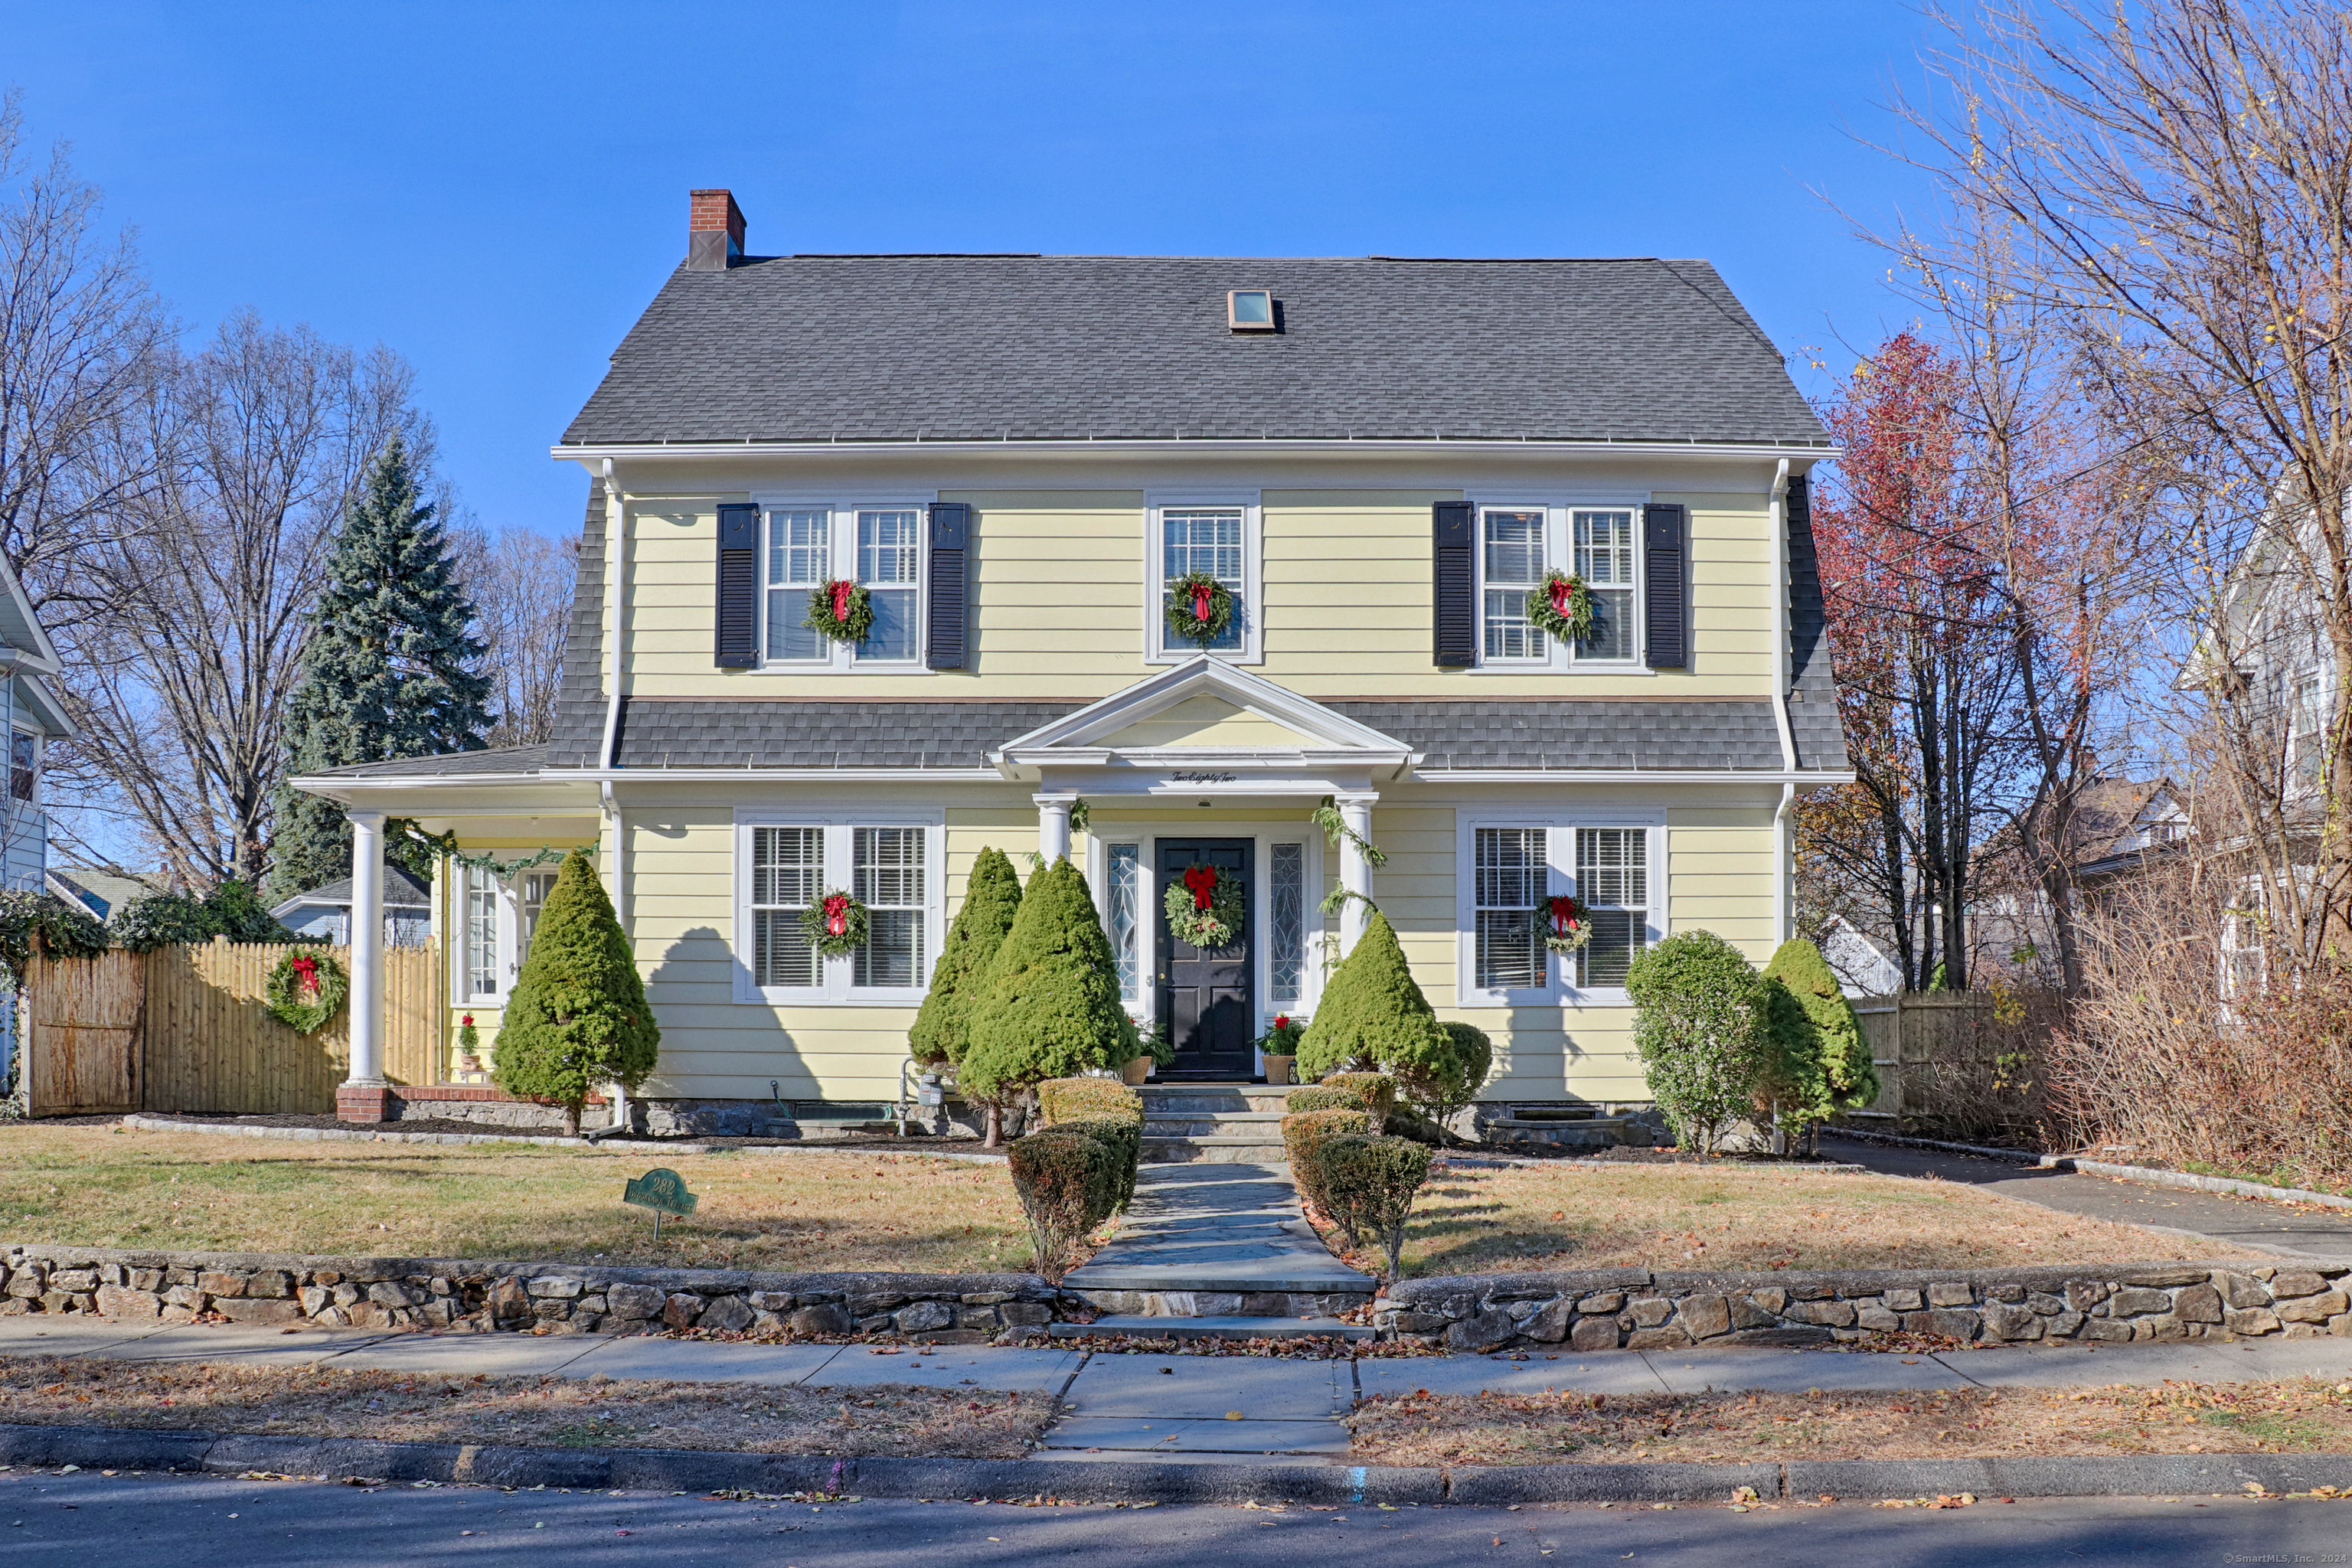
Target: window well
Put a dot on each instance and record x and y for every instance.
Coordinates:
(1249, 310)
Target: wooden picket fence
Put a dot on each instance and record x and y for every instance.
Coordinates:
(186, 1029)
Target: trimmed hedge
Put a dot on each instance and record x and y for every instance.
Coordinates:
(1371, 1184)
(1061, 1100)
(1323, 1097)
(1068, 1182)
(1376, 1091)
(1304, 1132)
(1124, 1138)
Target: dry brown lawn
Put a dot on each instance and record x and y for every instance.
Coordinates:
(2306, 1415)
(1742, 1217)
(796, 1211)
(545, 1412)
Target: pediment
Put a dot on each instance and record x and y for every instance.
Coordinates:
(1208, 707)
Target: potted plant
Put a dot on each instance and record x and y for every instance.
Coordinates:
(1157, 1053)
(1279, 1044)
(470, 1046)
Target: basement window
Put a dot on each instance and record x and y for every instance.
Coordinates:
(1249, 310)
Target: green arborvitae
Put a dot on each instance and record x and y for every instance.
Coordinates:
(392, 669)
(1051, 1007)
(578, 1018)
(1850, 1081)
(1699, 1025)
(992, 898)
(1373, 1014)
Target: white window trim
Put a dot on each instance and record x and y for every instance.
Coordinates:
(503, 961)
(1263, 835)
(1158, 649)
(1560, 858)
(842, 562)
(836, 990)
(1559, 553)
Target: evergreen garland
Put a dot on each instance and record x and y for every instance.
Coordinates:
(1205, 907)
(1564, 924)
(1563, 607)
(837, 925)
(392, 669)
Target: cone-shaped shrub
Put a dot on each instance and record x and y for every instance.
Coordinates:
(1051, 1007)
(1068, 1184)
(991, 896)
(578, 1017)
(1372, 1014)
(1700, 1025)
(1369, 1185)
(1844, 1056)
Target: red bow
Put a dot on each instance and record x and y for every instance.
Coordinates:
(1203, 880)
(306, 969)
(1561, 588)
(836, 914)
(841, 592)
(1201, 595)
(1563, 916)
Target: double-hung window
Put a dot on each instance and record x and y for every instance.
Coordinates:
(1510, 871)
(1219, 541)
(2307, 728)
(878, 548)
(785, 869)
(1519, 544)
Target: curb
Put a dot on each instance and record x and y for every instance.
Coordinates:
(597, 1139)
(1159, 1480)
(2152, 1177)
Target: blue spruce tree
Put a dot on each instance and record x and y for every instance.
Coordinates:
(392, 670)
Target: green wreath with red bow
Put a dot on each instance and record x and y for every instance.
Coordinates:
(835, 925)
(306, 989)
(1200, 608)
(841, 610)
(1204, 909)
(1564, 924)
(1563, 607)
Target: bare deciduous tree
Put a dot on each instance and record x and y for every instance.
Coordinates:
(182, 688)
(80, 337)
(520, 582)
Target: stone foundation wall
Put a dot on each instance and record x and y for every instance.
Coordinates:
(1635, 1309)
(445, 1293)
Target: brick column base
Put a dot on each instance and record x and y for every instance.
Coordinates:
(366, 1102)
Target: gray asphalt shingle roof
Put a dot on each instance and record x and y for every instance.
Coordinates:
(962, 347)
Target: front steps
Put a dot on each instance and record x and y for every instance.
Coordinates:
(1234, 1125)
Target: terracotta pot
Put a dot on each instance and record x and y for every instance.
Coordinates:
(1136, 1070)
(1278, 1069)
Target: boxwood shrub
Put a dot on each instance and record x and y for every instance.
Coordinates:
(1068, 1179)
(1376, 1091)
(1304, 1131)
(1371, 1184)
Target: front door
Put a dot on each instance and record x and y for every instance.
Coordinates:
(1208, 1002)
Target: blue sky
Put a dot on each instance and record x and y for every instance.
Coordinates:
(495, 189)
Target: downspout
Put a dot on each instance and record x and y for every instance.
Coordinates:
(1783, 895)
(616, 566)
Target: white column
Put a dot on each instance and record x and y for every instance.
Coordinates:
(1054, 825)
(1355, 870)
(367, 947)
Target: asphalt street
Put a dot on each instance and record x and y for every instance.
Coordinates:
(2322, 1232)
(216, 1523)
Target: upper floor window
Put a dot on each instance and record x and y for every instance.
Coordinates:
(879, 548)
(1520, 545)
(23, 762)
(1218, 541)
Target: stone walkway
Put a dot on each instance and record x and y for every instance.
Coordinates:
(1206, 1239)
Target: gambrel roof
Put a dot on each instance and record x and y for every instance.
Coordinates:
(1032, 348)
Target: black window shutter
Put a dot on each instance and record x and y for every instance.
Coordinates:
(1666, 578)
(738, 640)
(1453, 591)
(943, 642)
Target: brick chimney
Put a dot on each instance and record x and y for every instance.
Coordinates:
(714, 231)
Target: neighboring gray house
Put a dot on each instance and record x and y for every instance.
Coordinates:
(324, 913)
(100, 892)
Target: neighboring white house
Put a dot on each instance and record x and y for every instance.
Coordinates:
(324, 913)
(1862, 970)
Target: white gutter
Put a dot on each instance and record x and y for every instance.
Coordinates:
(1349, 446)
(1783, 894)
(1791, 779)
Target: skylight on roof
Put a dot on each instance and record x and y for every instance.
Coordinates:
(1249, 310)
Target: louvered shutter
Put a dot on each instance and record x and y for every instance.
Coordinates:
(1665, 577)
(1453, 591)
(738, 640)
(944, 636)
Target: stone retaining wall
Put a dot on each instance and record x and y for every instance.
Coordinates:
(454, 1293)
(1636, 1309)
